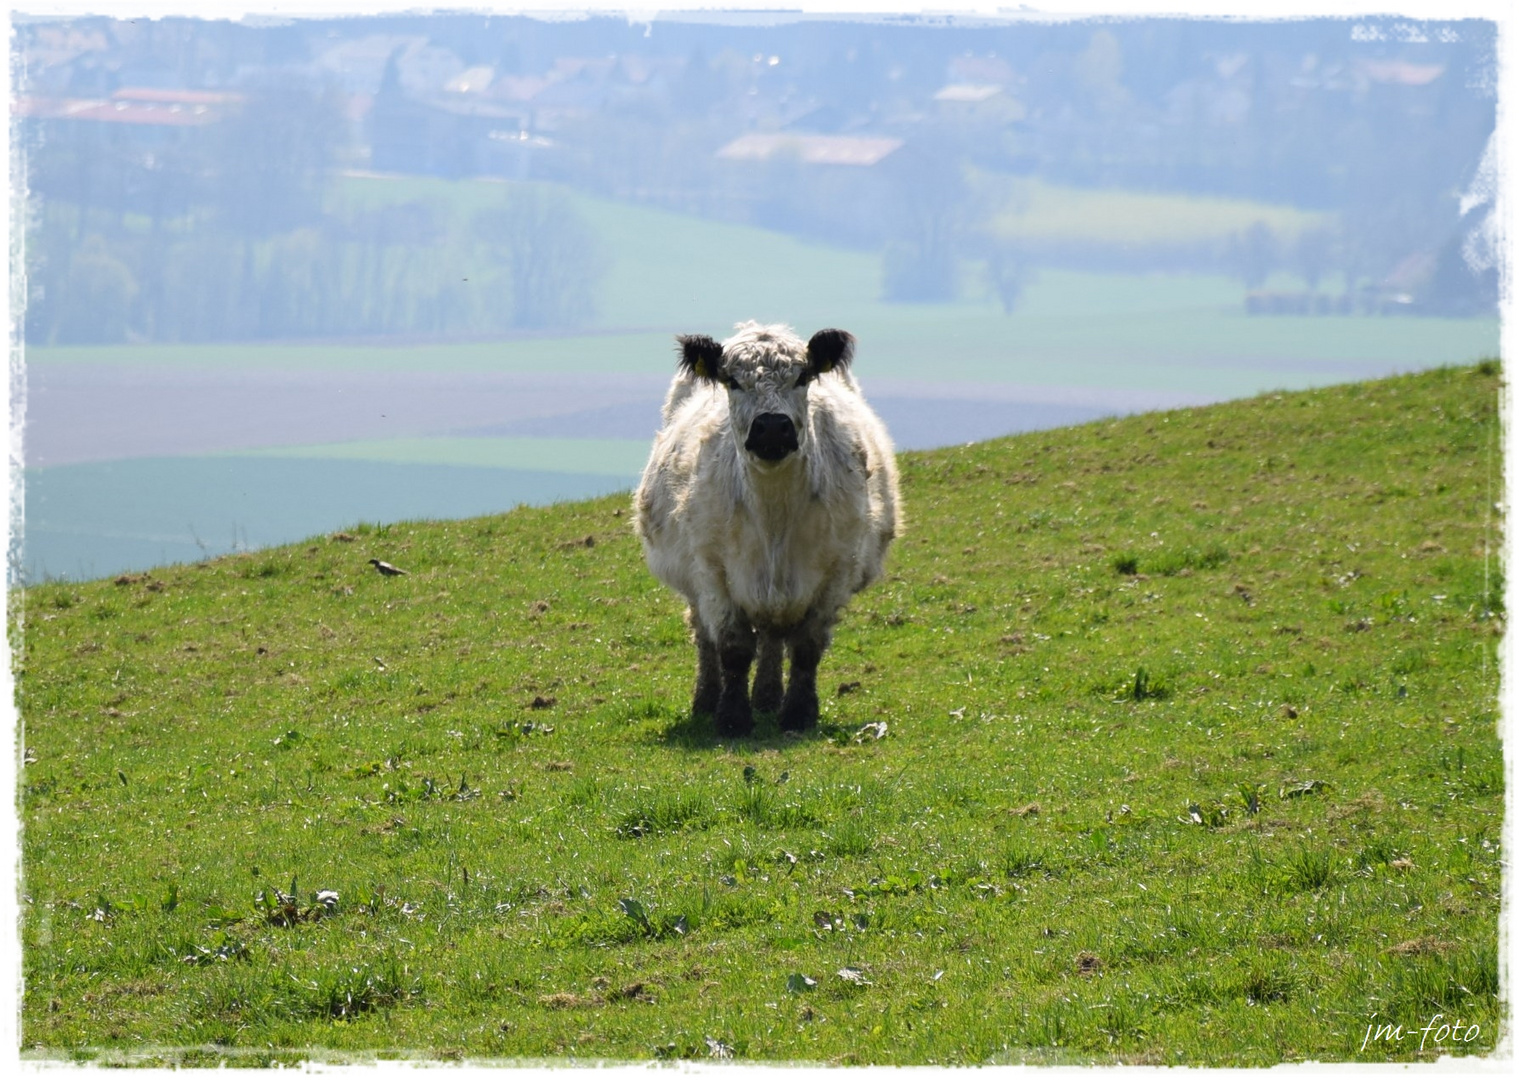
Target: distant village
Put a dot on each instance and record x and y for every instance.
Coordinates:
(876, 136)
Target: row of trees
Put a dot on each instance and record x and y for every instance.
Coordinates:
(1254, 254)
(1335, 257)
(261, 167)
(1357, 254)
(529, 263)
(225, 231)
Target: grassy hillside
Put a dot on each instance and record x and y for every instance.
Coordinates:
(1169, 739)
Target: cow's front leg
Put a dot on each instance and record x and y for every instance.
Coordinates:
(769, 685)
(709, 683)
(799, 711)
(735, 654)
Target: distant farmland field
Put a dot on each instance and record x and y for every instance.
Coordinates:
(665, 264)
(1051, 214)
(89, 521)
(1178, 332)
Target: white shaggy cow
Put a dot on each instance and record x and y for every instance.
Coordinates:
(769, 500)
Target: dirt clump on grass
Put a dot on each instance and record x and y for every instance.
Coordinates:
(1423, 946)
(571, 1001)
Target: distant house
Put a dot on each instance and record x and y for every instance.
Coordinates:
(120, 151)
(989, 70)
(452, 127)
(475, 80)
(846, 150)
(138, 106)
(967, 93)
(983, 104)
(435, 136)
(1399, 72)
(833, 185)
(1441, 281)
(476, 122)
(358, 64)
(575, 89)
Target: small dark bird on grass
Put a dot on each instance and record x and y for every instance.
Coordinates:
(385, 568)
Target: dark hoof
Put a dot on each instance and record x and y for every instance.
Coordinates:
(734, 717)
(800, 712)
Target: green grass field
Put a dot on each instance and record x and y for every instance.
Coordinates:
(1049, 213)
(1169, 739)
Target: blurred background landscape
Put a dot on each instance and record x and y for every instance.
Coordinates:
(281, 279)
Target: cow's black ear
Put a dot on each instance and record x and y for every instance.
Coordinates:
(701, 356)
(830, 350)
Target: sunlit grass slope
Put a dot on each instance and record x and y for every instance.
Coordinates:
(1168, 739)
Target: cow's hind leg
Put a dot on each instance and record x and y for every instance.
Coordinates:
(709, 682)
(735, 655)
(799, 711)
(769, 687)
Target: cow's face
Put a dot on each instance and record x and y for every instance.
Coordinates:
(767, 370)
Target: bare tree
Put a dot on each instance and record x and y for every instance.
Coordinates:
(1254, 254)
(1009, 272)
(555, 261)
(95, 301)
(932, 204)
(272, 162)
(1314, 254)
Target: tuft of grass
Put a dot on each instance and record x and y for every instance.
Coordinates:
(665, 812)
(1264, 981)
(1463, 977)
(1309, 869)
(343, 993)
(770, 808)
(851, 838)
(1022, 859)
(1169, 562)
(1146, 688)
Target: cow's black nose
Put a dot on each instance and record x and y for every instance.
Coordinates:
(771, 436)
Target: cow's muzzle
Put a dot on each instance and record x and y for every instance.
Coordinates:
(771, 437)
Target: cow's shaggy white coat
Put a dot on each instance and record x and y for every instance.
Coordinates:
(770, 498)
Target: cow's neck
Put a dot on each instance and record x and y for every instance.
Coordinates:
(776, 494)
